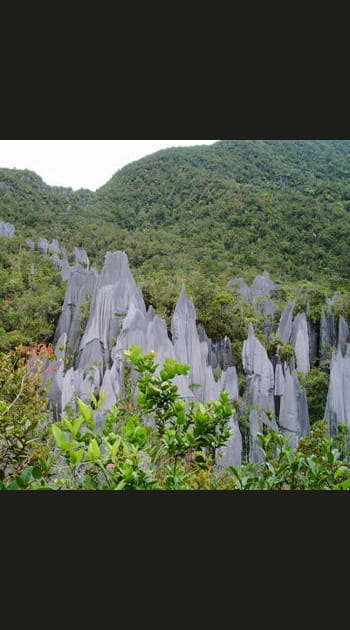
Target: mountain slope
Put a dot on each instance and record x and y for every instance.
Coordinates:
(246, 205)
(202, 215)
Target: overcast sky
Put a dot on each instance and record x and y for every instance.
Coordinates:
(80, 163)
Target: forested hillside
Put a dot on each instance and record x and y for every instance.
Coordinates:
(258, 231)
(204, 215)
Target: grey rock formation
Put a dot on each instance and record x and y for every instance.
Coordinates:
(300, 340)
(81, 257)
(112, 385)
(258, 418)
(80, 288)
(114, 292)
(284, 330)
(328, 333)
(240, 286)
(313, 333)
(256, 455)
(158, 340)
(54, 247)
(220, 355)
(190, 350)
(92, 355)
(343, 335)
(93, 340)
(30, 243)
(328, 330)
(338, 399)
(269, 307)
(294, 415)
(53, 377)
(133, 331)
(231, 453)
(262, 287)
(229, 382)
(57, 260)
(222, 350)
(187, 346)
(70, 391)
(43, 245)
(279, 380)
(7, 229)
(259, 370)
(65, 269)
(259, 297)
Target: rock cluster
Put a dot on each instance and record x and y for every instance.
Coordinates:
(104, 313)
(7, 229)
(90, 346)
(338, 400)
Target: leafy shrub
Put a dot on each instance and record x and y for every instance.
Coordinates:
(316, 384)
(24, 418)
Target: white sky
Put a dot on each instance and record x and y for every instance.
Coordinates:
(80, 163)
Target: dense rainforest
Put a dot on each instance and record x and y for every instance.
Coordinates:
(198, 216)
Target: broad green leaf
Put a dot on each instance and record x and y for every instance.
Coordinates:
(76, 425)
(36, 472)
(85, 410)
(102, 397)
(75, 456)
(341, 471)
(94, 399)
(21, 482)
(26, 475)
(94, 450)
(67, 424)
(115, 447)
(60, 437)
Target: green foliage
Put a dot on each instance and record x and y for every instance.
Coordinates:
(316, 384)
(31, 295)
(276, 346)
(311, 300)
(174, 451)
(23, 417)
(342, 304)
(184, 430)
(317, 464)
(137, 457)
(224, 313)
(198, 216)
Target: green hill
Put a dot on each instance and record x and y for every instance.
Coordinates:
(281, 205)
(203, 215)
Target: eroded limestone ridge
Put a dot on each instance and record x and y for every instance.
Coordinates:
(104, 314)
(7, 229)
(90, 346)
(338, 400)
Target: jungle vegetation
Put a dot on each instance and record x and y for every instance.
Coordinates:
(199, 216)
